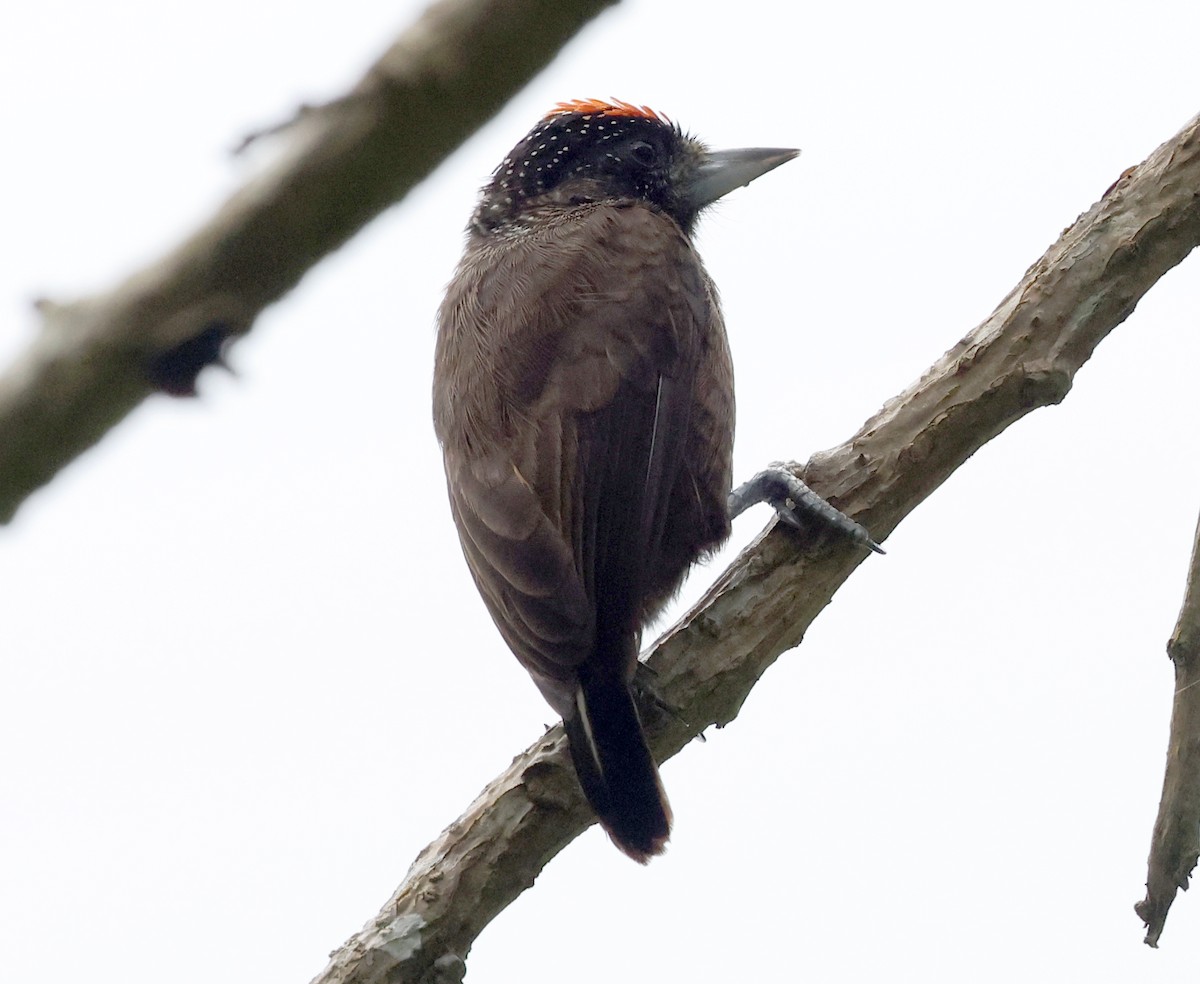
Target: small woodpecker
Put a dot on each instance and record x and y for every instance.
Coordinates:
(583, 399)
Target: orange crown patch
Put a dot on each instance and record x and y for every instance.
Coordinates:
(606, 107)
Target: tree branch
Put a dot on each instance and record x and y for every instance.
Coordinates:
(96, 359)
(1024, 356)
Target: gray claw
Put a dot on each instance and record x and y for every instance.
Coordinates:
(797, 505)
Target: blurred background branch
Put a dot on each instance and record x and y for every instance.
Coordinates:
(340, 165)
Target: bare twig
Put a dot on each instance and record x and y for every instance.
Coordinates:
(1176, 841)
(1025, 355)
(97, 358)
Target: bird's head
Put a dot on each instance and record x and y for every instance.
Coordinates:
(596, 150)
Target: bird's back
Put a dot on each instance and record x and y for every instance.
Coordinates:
(572, 354)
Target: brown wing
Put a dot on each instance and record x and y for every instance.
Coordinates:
(563, 394)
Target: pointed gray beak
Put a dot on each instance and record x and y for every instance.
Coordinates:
(723, 170)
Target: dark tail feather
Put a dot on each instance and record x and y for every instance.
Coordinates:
(616, 769)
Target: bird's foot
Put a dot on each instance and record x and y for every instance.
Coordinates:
(797, 505)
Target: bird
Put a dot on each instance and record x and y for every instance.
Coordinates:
(583, 400)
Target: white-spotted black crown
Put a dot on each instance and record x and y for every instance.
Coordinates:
(589, 150)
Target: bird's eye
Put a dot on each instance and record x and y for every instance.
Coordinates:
(644, 153)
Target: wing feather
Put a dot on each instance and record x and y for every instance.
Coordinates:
(562, 463)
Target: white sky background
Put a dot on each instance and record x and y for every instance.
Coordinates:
(244, 677)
